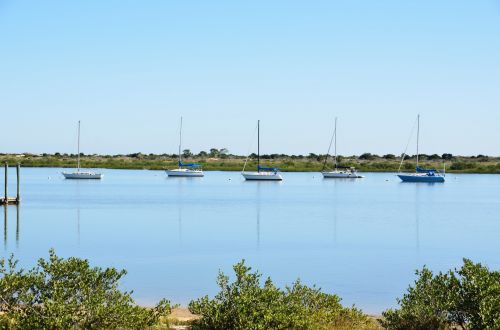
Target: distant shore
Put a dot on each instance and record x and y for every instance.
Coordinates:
(311, 163)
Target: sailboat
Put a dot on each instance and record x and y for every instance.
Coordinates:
(421, 174)
(262, 173)
(339, 172)
(81, 174)
(185, 169)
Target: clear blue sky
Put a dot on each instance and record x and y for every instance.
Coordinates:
(130, 69)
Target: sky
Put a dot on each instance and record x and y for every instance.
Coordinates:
(130, 69)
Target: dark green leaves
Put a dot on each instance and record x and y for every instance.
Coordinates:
(69, 294)
(468, 298)
(246, 304)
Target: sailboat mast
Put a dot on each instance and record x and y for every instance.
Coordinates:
(78, 166)
(418, 134)
(180, 142)
(258, 145)
(335, 145)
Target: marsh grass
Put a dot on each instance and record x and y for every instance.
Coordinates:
(235, 163)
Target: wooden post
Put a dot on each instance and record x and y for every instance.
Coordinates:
(6, 195)
(18, 170)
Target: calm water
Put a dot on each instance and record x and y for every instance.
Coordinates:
(360, 239)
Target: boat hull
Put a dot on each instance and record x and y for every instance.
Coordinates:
(262, 176)
(183, 172)
(83, 176)
(341, 175)
(420, 178)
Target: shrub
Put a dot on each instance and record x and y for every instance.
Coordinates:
(468, 298)
(367, 156)
(245, 304)
(460, 166)
(69, 294)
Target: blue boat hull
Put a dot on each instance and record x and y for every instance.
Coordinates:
(421, 178)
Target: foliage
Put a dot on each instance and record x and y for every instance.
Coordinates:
(468, 298)
(245, 304)
(287, 163)
(69, 294)
(460, 166)
(367, 156)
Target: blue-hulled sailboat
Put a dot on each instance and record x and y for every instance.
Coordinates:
(421, 174)
(185, 169)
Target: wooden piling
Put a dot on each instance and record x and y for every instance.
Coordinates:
(18, 172)
(6, 192)
(6, 200)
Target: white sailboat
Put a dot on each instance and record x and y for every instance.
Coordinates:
(81, 174)
(185, 169)
(421, 174)
(339, 172)
(262, 173)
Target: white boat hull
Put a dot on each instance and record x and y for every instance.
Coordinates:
(83, 176)
(184, 172)
(263, 176)
(341, 175)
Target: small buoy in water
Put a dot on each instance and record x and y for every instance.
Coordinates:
(386, 180)
(229, 179)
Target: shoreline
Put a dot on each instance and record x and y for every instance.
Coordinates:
(458, 164)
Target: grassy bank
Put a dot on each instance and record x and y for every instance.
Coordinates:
(311, 163)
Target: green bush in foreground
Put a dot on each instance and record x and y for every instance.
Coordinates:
(245, 304)
(69, 294)
(467, 298)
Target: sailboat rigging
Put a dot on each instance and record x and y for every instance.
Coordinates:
(185, 169)
(421, 174)
(262, 173)
(81, 174)
(339, 172)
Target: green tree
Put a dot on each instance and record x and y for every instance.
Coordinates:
(246, 304)
(214, 152)
(468, 298)
(69, 294)
(447, 156)
(367, 156)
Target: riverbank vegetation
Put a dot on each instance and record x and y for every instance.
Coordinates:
(222, 160)
(70, 294)
(465, 298)
(247, 303)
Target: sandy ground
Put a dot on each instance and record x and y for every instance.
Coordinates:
(182, 314)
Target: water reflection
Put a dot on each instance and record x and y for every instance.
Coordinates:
(417, 216)
(6, 225)
(78, 224)
(5, 221)
(181, 181)
(257, 203)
